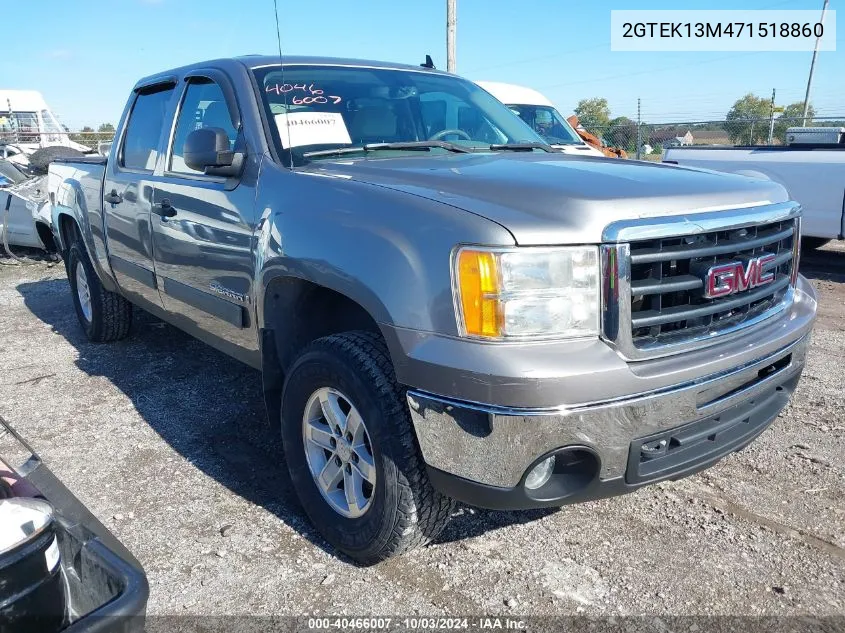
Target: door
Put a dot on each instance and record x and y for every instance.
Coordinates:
(203, 228)
(128, 194)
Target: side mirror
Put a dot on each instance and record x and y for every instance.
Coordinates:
(207, 150)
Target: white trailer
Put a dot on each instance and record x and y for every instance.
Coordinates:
(811, 167)
(27, 124)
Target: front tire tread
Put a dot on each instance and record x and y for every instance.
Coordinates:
(421, 512)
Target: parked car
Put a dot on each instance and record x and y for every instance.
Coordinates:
(811, 167)
(538, 112)
(441, 306)
(25, 214)
(60, 568)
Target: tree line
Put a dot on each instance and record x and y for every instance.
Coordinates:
(747, 122)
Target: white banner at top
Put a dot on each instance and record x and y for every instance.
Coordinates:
(721, 30)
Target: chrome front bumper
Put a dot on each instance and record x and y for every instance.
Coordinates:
(494, 446)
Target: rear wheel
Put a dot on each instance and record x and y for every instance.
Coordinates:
(351, 450)
(105, 316)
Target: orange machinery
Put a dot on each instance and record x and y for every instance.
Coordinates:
(595, 141)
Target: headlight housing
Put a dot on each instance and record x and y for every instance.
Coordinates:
(526, 293)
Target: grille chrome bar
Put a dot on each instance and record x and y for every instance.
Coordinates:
(669, 315)
(652, 286)
(695, 223)
(653, 301)
(647, 256)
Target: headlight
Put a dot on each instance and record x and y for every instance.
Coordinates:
(527, 293)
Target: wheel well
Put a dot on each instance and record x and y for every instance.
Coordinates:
(46, 237)
(69, 231)
(297, 312)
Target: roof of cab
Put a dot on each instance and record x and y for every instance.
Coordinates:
(259, 61)
(21, 100)
(511, 94)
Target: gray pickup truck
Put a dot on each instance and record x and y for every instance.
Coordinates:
(442, 307)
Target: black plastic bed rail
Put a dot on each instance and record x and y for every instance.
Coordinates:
(107, 588)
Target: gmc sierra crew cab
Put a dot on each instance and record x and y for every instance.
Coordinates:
(442, 307)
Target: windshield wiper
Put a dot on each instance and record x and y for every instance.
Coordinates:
(419, 146)
(520, 147)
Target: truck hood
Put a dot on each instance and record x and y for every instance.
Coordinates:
(554, 198)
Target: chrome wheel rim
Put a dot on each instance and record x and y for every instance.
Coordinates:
(83, 291)
(339, 452)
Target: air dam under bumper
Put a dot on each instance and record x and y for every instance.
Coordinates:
(481, 454)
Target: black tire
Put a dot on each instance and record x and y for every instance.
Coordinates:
(40, 159)
(111, 314)
(813, 243)
(406, 511)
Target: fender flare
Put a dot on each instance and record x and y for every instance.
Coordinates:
(70, 203)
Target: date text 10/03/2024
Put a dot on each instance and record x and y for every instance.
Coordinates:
(421, 623)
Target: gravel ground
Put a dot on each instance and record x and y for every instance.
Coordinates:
(164, 440)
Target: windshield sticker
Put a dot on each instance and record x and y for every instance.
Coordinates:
(312, 128)
(311, 95)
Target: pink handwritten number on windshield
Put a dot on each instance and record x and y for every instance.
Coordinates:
(313, 96)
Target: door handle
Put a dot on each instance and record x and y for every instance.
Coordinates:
(164, 209)
(113, 197)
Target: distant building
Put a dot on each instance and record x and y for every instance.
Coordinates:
(680, 141)
(712, 137)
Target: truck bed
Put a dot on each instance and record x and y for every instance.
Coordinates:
(88, 171)
(765, 148)
(813, 175)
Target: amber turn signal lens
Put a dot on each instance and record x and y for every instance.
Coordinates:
(479, 286)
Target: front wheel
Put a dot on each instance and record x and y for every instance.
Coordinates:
(105, 316)
(351, 450)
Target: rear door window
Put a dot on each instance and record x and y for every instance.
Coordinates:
(143, 131)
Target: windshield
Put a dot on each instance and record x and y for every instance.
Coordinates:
(548, 123)
(315, 108)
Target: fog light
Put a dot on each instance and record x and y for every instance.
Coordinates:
(540, 474)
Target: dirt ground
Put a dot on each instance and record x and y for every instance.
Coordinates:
(164, 439)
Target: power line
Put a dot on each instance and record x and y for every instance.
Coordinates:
(579, 50)
(652, 70)
(540, 58)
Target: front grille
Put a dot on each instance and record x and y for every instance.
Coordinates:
(668, 302)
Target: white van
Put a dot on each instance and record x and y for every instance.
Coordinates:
(538, 112)
(27, 124)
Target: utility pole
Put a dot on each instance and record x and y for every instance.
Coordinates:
(451, 27)
(812, 68)
(639, 126)
(772, 118)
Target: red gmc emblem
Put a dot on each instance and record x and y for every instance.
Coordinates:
(726, 279)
